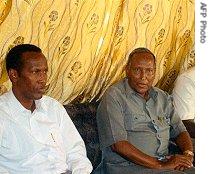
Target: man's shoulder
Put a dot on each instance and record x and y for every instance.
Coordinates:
(48, 98)
(50, 105)
(4, 98)
(161, 93)
(50, 101)
(116, 89)
(186, 76)
(4, 104)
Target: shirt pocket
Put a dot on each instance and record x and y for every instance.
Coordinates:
(46, 132)
(54, 137)
(163, 124)
(136, 121)
(163, 121)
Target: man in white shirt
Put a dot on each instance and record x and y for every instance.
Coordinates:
(184, 99)
(36, 134)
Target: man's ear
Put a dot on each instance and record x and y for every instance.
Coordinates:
(127, 67)
(13, 75)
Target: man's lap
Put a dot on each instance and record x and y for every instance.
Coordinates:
(109, 168)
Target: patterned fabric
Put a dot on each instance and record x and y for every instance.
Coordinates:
(87, 42)
(83, 116)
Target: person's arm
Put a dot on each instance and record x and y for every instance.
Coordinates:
(184, 99)
(184, 142)
(74, 145)
(182, 138)
(127, 150)
(130, 152)
(178, 130)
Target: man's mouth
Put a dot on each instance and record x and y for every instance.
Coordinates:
(142, 85)
(41, 89)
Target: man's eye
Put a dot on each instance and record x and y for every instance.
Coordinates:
(150, 70)
(136, 69)
(35, 71)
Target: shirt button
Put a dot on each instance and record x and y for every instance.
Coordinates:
(156, 127)
(158, 135)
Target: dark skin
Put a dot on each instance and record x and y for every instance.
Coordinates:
(140, 72)
(29, 83)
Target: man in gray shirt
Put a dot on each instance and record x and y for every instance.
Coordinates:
(135, 122)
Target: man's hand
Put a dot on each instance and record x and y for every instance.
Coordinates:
(177, 162)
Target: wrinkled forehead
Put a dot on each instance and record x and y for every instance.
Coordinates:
(142, 59)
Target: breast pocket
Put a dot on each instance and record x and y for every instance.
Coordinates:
(54, 137)
(163, 123)
(136, 122)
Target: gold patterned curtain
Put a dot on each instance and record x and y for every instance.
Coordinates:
(87, 42)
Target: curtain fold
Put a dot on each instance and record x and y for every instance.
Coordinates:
(87, 42)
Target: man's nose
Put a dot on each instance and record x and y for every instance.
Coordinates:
(42, 77)
(143, 75)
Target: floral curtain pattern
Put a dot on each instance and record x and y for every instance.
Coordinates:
(87, 42)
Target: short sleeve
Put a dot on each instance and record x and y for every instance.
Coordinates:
(176, 123)
(110, 120)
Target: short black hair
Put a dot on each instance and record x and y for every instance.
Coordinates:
(140, 50)
(14, 56)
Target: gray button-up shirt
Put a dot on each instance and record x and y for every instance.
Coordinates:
(124, 115)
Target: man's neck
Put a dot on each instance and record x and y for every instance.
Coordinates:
(26, 103)
(145, 95)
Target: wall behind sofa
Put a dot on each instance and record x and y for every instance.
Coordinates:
(87, 42)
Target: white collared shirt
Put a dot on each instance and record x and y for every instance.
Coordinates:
(184, 94)
(43, 142)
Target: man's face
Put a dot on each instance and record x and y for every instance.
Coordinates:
(141, 72)
(32, 78)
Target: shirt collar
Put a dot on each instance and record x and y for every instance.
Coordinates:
(18, 107)
(153, 94)
(40, 104)
(15, 104)
(129, 91)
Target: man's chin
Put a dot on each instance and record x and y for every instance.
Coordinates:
(37, 97)
(142, 92)
(142, 89)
